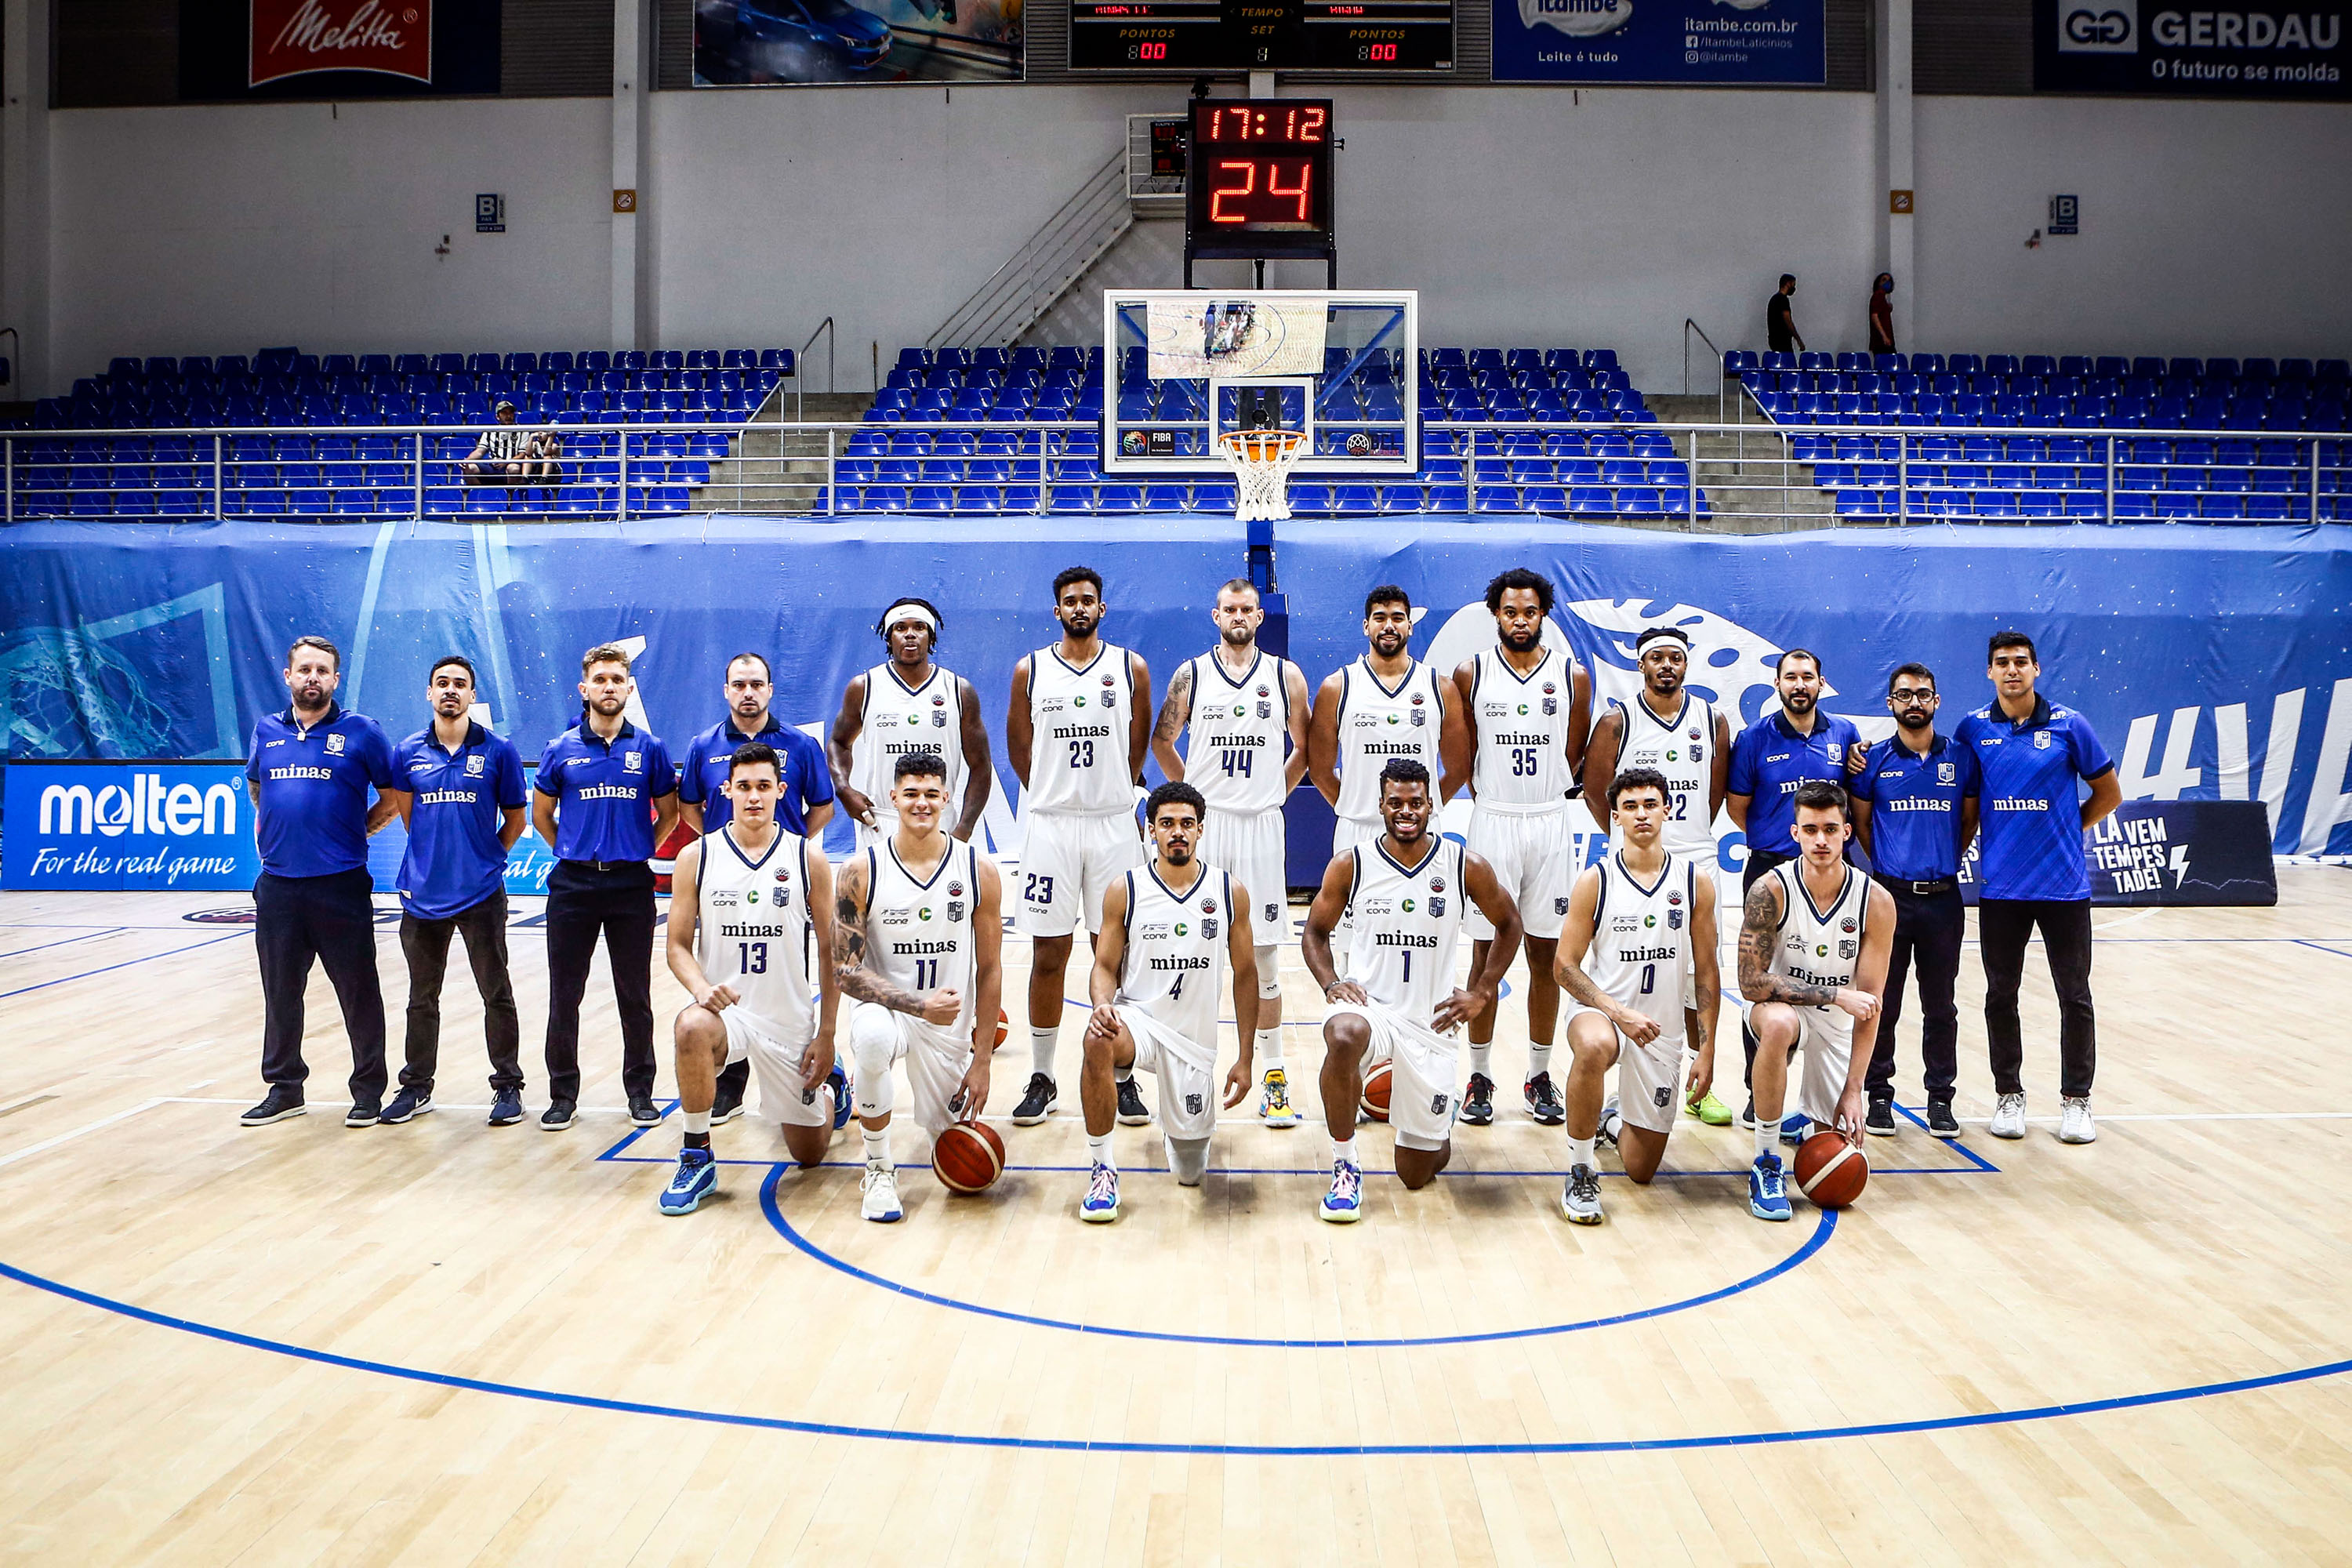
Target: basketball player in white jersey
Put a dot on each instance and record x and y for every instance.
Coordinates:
(1399, 1003)
(1640, 932)
(1077, 734)
(1813, 942)
(1685, 741)
(903, 705)
(750, 930)
(1527, 706)
(918, 926)
(1240, 707)
(1171, 929)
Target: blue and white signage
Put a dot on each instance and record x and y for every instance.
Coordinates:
(125, 826)
(1681, 43)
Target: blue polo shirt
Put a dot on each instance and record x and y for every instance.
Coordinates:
(807, 779)
(453, 858)
(312, 819)
(1915, 806)
(604, 792)
(1770, 760)
(2031, 825)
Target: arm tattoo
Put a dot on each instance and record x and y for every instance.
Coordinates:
(1708, 1000)
(849, 969)
(1756, 982)
(1579, 985)
(1177, 707)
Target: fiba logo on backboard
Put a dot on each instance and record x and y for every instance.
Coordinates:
(2098, 26)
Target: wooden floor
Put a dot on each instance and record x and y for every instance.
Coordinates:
(447, 1343)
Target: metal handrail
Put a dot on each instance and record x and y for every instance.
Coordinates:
(823, 330)
(1046, 264)
(1689, 327)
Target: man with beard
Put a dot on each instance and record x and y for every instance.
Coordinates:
(1914, 811)
(1770, 761)
(1529, 707)
(1077, 734)
(1241, 708)
(607, 793)
(309, 771)
(1685, 741)
(905, 705)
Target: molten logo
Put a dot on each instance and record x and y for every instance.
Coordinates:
(294, 38)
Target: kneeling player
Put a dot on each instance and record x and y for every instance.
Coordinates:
(745, 902)
(1159, 968)
(1641, 930)
(1813, 962)
(919, 930)
(1403, 894)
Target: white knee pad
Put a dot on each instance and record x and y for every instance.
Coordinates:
(873, 1041)
(1269, 973)
(1189, 1158)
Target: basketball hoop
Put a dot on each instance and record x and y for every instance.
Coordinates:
(1261, 461)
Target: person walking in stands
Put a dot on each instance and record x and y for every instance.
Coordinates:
(1780, 320)
(1882, 320)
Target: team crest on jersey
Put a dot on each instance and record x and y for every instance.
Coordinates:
(474, 765)
(1209, 930)
(1273, 913)
(1265, 709)
(939, 718)
(1947, 772)
(1191, 1105)
(335, 742)
(1551, 706)
(1834, 753)
(1698, 753)
(955, 911)
(2040, 741)
(631, 761)
(1674, 920)
(1438, 1104)
(1418, 716)
(1438, 907)
(1109, 696)
(1559, 906)
(1845, 948)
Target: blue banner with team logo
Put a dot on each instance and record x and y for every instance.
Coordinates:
(1678, 43)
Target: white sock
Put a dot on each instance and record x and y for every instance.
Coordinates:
(1767, 1135)
(1539, 1059)
(696, 1121)
(1123, 1075)
(877, 1144)
(1482, 1059)
(1345, 1149)
(1580, 1152)
(1098, 1150)
(1040, 1049)
(1269, 1048)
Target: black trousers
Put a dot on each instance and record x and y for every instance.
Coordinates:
(1929, 929)
(584, 902)
(330, 919)
(1760, 862)
(425, 944)
(2003, 927)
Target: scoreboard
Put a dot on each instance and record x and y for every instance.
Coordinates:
(1189, 37)
(1259, 181)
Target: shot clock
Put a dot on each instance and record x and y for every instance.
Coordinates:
(1258, 180)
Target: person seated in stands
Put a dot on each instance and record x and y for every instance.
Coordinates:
(510, 455)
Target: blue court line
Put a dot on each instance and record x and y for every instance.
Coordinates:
(2303, 942)
(784, 1227)
(126, 963)
(1241, 1450)
(63, 941)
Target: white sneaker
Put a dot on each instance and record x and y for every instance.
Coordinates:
(2009, 1116)
(879, 1202)
(2074, 1123)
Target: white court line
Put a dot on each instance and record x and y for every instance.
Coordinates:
(27, 1153)
(2127, 920)
(2204, 1116)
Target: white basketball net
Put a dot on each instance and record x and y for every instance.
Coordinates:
(1261, 461)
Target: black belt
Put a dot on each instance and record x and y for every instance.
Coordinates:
(1941, 885)
(606, 865)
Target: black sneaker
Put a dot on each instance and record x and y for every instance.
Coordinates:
(1880, 1122)
(557, 1116)
(728, 1104)
(363, 1113)
(1941, 1122)
(1037, 1104)
(506, 1107)
(1543, 1101)
(408, 1103)
(1132, 1112)
(643, 1111)
(283, 1101)
(1478, 1101)
(1747, 1115)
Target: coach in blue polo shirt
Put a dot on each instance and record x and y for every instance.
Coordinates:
(605, 795)
(309, 771)
(461, 795)
(2035, 758)
(804, 796)
(1771, 758)
(1915, 810)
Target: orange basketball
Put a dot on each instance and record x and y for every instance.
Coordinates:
(1376, 1092)
(968, 1157)
(1003, 1025)
(1831, 1171)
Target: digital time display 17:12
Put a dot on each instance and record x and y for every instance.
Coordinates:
(1258, 180)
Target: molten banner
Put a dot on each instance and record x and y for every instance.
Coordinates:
(295, 37)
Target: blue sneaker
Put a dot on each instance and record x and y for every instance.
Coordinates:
(1792, 1128)
(697, 1179)
(1101, 1205)
(1344, 1204)
(842, 1107)
(1767, 1199)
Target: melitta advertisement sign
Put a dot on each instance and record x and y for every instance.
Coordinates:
(2149, 46)
(295, 37)
(2175, 852)
(1677, 42)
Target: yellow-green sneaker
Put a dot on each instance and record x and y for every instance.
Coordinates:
(1275, 1109)
(1709, 1110)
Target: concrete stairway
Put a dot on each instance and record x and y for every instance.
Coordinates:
(772, 469)
(1744, 473)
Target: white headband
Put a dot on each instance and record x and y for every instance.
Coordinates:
(911, 612)
(1659, 634)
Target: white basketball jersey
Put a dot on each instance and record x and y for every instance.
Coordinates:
(898, 718)
(1236, 757)
(1405, 921)
(919, 928)
(1377, 722)
(1522, 723)
(753, 933)
(1175, 966)
(1683, 750)
(1819, 946)
(1640, 951)
(1078, 753)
